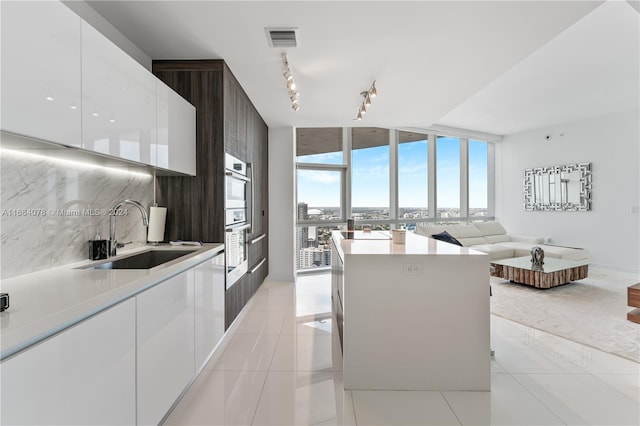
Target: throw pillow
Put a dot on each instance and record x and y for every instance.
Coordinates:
(446, 237)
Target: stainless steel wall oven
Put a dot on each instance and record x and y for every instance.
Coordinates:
(237, 226)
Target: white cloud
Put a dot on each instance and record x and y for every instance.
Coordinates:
(319, 176)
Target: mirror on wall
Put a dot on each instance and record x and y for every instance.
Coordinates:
(558, 188)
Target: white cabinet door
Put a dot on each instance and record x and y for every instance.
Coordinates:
(118, 100)
(165, 363)
(41, 71)
(84, 375)
(176, 139)
(209, 306)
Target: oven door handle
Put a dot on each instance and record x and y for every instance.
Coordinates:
(252, 198)
(238, 228)
(237, 176)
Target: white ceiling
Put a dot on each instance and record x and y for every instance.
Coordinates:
(493, 66)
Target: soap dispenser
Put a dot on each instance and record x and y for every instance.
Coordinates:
(98, 248)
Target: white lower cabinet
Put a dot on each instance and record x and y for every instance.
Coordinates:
(209, 306)
(84, 375)
(124, 366)
(165, 343)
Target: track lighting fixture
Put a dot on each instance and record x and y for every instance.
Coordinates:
(366, 100)
(294, 95)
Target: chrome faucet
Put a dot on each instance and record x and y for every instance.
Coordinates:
(113, 244)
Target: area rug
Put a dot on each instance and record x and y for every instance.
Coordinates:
(591, 311)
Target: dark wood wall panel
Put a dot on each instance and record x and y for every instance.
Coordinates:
(226, 121)
(194, 204)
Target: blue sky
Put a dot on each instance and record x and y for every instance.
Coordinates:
(370, 178)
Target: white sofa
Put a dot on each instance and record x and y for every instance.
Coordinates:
(492, 238)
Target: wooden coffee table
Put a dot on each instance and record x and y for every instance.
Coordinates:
(554, 272)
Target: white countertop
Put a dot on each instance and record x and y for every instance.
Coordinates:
(45, 302)
(364, 243)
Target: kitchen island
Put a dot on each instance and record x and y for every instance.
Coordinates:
(413, 316)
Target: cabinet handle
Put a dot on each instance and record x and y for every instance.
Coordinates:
(255, 268)
(258, 238)
(253, 198)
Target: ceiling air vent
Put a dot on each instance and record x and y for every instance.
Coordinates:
(282, 37)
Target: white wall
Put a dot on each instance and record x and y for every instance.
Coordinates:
(611, 231)
(281, 204)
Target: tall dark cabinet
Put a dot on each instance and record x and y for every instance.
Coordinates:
(226, 121)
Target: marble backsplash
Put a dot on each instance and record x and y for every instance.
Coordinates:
(51, 208)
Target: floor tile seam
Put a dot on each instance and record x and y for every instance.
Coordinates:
(450, 407)
(541, 372)
(275, 348)
(617, 374)
(255, 410)
(241, 370)
(253, 418)
(297, 370)
(530, 392)
(600, 381)
(252, 309)
(353, 405)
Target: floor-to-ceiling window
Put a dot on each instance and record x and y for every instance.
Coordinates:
(413, 178)
(386, 179)
(478, 179)
(370, 175)
(320, 183)
(448, 177)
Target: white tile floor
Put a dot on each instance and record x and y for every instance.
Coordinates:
(280, 364)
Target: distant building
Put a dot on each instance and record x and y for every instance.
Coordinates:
(312, 257)
(303, 211)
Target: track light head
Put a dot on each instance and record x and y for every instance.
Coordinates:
(291, 85)
(366, 100)
(373, 92)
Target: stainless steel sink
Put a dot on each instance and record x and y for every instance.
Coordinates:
(144, 260)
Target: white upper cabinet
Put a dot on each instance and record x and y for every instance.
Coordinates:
(41, 71)
(118, 100)
(176, 138)
(62, 81)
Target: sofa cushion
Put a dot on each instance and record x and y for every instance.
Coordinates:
(446, 237)
(490, 228)
(428, 229)
(528, 239)
(472, 241)
(495, 251)
(493, 239)
(464, 231)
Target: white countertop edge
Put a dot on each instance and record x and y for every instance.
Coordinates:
(415, 245)
(67, 317)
